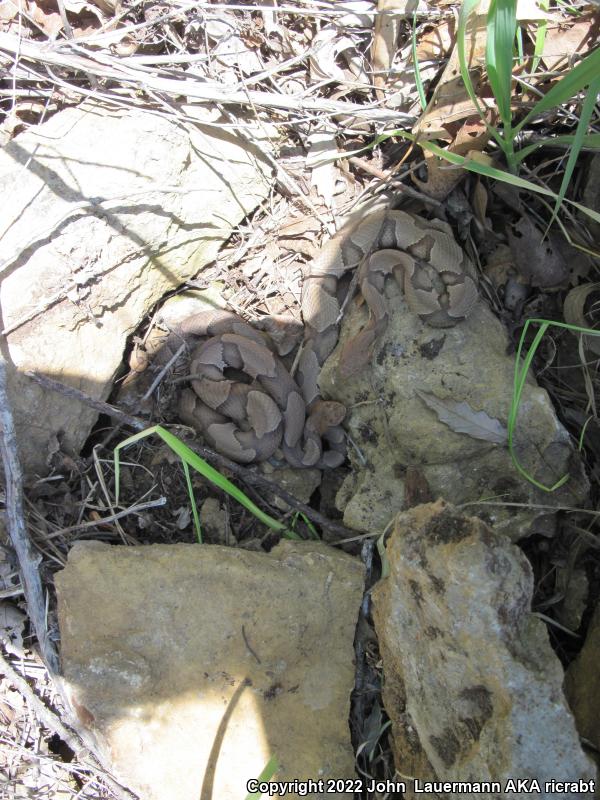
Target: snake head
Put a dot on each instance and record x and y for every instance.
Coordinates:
(326, 414)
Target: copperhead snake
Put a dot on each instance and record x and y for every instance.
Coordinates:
(249, 421)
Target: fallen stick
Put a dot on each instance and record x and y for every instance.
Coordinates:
(245, 474)
(102, 65)
(17, 529)
(53, 723)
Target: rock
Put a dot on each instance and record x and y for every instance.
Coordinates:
(573, 583)
(471, 685)
(300, 483)
(214, 522)
(109, 210)
(396, 430)
(582, 684)
(192, 665)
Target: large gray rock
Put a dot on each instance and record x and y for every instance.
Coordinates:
(106, 211)
(582, 684)
(394, 428)
(192, 665)
(472, 685)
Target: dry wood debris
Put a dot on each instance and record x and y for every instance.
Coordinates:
(325, 78)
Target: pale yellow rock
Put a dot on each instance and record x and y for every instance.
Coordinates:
(192, 665)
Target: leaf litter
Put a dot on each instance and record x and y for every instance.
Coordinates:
(331, 77)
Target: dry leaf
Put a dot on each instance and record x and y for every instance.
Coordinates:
(500, 266)
(591, 193)
(452, 116)
(442, 177)
(8, 10)
(574, 311)
(387, 27)
(480, 202)
(537, 258)
(108, 7)
(416, 488)
(563, 42)
(46, 17)
(322, 150)
(7, 570)
(300, 236)
(230, 48)
(328, 46)
(358, 14)
(437, 42)
(385, 39)
(252, 33)
(461, 418)
(530, 10)
(301, 226)
(450, 101)
(182, 518)
(126, 46)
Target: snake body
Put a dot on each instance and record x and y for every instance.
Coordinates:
(249, 420)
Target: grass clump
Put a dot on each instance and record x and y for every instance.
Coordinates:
(198, 464)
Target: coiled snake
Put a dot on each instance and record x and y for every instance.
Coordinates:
(250, 421)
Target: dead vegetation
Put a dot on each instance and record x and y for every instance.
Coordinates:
(336, 87)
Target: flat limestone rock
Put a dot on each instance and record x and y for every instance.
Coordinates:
(471, 684)
(109, 210)
(192, 665)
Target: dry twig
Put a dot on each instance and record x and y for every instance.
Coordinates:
(248, 476)
(53, 723)
(17, 528)
(102, 65)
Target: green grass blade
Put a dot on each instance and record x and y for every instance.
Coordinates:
(204, 468)
(540, 37)
(582, 434)
(502, 25)
(485, 169)
(500, 175)
(520, 49)
(265, 776)
(567, 87)
(467, 8)
(473, 166)
(130, 440)
(591, 140)
(418, 80)
(520, 377)
(565, 5)
(190, 488)
(311, 528)
(587, 110)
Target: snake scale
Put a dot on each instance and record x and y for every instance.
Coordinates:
(250, 419)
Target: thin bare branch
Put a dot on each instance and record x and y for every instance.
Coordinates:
(17, 528)
(248, 476)
(103, 65)
(53, 723)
